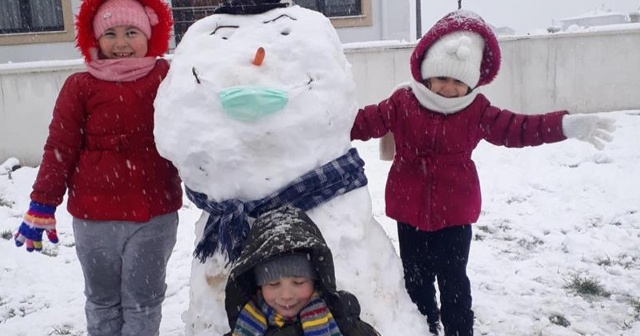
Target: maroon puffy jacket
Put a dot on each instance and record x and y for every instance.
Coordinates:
(433, 182)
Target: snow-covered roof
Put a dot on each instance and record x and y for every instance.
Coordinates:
(598, 12)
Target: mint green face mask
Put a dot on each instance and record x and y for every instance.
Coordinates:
(249, 103)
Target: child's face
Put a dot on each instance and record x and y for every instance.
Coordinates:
(447, 87)
(123, 42)
(288, 295)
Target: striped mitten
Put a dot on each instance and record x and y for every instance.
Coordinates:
(38, 219)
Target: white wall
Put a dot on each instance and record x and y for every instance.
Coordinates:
(377, 70)
(38, 51)
(582, 72)
(28, 94)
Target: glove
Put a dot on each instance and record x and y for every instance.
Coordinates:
(589, 128)
(39, 218)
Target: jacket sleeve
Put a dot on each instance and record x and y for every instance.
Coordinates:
(347, 315)
(509, 129)
(374, 121)
(63, 144)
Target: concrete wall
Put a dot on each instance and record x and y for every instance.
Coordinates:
(582, 72)
(37, 52)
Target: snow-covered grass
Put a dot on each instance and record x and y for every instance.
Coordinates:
(555, 252)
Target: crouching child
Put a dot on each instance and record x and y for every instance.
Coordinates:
(283, 283)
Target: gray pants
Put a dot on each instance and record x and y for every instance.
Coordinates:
(124, 266)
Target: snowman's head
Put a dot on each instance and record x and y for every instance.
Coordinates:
(255, 90)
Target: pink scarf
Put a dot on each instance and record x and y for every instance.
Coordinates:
(121, 69)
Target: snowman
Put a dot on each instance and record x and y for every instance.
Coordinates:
(256, 112)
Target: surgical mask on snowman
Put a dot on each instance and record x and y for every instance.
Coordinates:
(249, 103)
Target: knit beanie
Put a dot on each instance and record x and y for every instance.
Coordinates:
(457, 55)
(290, 265)
(460, 45)
(115, 13)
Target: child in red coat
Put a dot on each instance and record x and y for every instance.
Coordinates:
(122, 194)
(433, 189)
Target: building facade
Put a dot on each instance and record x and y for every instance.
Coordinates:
(42, 30)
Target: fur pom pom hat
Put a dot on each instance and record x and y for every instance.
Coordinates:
(152, 17)
(461, 46)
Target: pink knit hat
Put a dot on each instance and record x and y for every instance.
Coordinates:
(115, 13)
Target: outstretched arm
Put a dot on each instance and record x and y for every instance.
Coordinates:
(374, 121)
(509, 129)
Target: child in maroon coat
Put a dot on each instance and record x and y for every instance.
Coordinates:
(122, 194)
(433, 190)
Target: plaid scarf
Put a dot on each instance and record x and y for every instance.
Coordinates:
(227, 226)
(315, 317)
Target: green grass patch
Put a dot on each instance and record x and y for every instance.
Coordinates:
(6, 234)
(50, 251)
(604, 261)
(5, 203)
(65, 329)
(635, 303)
(559, 320)
(585, 285)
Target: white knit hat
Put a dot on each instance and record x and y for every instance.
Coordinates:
(115, 13)
(457, 55)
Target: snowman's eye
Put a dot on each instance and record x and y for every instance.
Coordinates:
(224, 31)
(283, 16)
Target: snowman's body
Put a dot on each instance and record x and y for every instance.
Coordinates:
(226, 158)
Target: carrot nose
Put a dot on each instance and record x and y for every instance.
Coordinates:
(259, 57)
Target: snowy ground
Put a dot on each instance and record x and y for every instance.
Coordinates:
(555, 252)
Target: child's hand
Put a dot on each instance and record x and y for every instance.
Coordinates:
(589, 128)
(32, 237)
(40, 218)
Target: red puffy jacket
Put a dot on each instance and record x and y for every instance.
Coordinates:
(101, 148)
